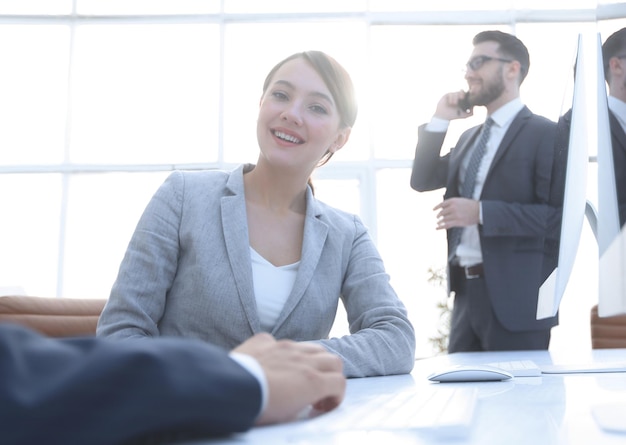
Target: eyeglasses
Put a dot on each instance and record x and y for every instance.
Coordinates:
(477, 62)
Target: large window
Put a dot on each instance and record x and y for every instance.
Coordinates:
(102, 99)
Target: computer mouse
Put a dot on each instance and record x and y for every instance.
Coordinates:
(470, 373)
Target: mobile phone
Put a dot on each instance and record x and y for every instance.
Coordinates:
(464, 104)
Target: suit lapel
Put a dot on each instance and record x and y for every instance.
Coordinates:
(617, 131)
(234, 223)
(315, 233)
(516, 126)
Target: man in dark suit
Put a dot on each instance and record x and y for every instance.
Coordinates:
(499, 208)
(97, 391)
(614, 58)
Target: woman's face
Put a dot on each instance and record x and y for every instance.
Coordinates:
(298, 121)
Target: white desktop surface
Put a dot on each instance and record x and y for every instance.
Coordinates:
(551, 409)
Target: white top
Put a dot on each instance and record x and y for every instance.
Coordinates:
(272, 286)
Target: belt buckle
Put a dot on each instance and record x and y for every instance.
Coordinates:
(469, 276)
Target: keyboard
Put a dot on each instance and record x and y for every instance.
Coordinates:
(519, 368)
(596, 367)
(441, 409)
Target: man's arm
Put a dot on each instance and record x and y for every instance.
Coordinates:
(430, 170)
(93, 390)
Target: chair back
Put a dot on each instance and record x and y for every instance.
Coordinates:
(53, 317)
(607, 332)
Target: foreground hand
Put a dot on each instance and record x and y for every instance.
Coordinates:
(298, 375)
(457, 212)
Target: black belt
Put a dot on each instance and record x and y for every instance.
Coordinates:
(471, 272)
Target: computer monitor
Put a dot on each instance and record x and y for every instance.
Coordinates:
(611, 235)
(589, 96)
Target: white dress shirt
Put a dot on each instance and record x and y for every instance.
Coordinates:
(619, 110)
(253, 367)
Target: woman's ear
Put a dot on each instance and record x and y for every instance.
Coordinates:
(340, 140)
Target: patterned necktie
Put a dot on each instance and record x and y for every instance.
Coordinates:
(466, 189)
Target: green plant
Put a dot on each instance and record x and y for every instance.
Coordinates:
(437, 277)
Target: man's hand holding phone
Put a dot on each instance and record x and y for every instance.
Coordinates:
(454, 106)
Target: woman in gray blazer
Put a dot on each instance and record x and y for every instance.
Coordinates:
(221, 256)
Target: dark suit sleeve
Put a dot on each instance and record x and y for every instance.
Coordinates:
(618, 141)
(99, 391)
(430, 170)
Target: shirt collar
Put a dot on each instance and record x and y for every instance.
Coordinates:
(503, 116)
(618, 108)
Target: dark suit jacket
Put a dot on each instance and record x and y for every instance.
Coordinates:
(520, 211)
(99, 391)
(618, 141)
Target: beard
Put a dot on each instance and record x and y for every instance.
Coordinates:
(491, 91)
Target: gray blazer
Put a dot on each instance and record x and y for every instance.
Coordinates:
(187, 272)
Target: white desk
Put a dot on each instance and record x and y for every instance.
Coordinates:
(552, 409)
